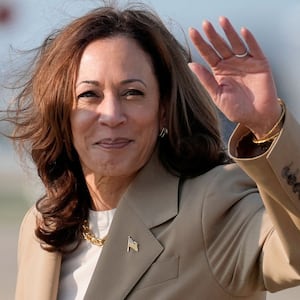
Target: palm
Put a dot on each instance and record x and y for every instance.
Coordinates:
(239, 93)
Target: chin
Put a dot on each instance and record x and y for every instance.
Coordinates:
(116, 169)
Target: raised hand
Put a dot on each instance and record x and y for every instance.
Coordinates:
(240, 80)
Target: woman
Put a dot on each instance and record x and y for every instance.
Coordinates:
(141, 200)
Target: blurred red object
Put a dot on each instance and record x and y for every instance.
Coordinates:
(5, 14)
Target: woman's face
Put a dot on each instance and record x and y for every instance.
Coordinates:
(116, 118)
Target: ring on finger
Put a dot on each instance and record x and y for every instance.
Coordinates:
(241, 55)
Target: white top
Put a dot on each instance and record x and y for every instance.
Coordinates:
(78, 267)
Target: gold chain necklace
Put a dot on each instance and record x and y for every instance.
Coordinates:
(89, 236)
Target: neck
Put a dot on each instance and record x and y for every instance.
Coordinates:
(106, 192)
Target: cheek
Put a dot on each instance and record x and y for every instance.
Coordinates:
(80, 120)
(149, 127)
(75, 126)
(79, 125)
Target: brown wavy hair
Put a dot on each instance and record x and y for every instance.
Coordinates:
(41, 115)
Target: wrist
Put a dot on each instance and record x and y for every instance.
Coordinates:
(274, 131)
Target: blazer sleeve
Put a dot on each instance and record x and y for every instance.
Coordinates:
(276, 173)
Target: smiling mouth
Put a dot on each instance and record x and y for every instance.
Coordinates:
(117, 143)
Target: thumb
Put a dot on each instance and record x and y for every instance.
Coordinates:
(205, 77)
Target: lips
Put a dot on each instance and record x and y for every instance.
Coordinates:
(117, 143)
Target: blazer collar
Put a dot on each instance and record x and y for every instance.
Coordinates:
(150, 201)
(153, 194)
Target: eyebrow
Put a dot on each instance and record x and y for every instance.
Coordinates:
(92, 82)
(126, 81)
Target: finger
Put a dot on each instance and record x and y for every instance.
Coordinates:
(237, 44)
(252, 44)
(205, 50)
(206, 78)
(217, 40)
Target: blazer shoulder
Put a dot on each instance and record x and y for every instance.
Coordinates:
(228, 178)
(27, 229)
(29, 220)
(222, 192)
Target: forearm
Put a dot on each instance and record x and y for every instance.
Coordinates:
(275, 171)
(279, 162)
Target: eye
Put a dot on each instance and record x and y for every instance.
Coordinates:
(88, 94)
(132, 93)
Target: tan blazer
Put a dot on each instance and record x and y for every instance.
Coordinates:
(207, 238)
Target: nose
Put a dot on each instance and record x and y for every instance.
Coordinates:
(111, 112)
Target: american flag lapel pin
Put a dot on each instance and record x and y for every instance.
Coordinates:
(132, 244)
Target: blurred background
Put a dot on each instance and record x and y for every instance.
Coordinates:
(25, 23)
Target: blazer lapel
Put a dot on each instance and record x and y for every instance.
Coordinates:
(150, 201)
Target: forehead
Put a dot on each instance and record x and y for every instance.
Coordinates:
(117, 57)
(117, 49)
